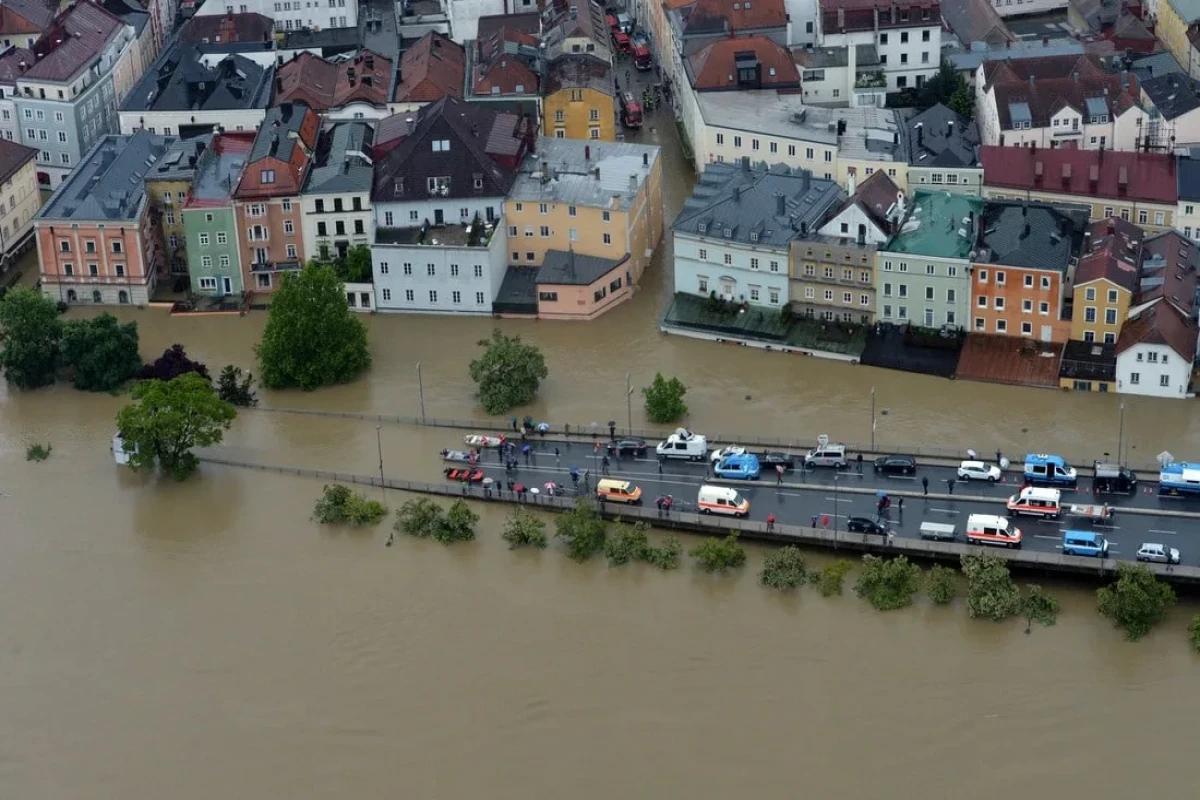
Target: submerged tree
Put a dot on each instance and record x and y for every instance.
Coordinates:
(991, 593)
(1137, 601)
(888, 583)
(339, 505)
(169, 418)
(664, 400)
(236, 388)
(523, 529)
(508, 373)
(30, 331)
(1038, 606)
(583, 529)
(718, 555)
(101, 352)
(171, 364)
(783, 569)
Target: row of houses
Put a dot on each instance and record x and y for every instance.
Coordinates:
(464, 207)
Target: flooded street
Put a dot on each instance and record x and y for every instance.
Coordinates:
(205, 639)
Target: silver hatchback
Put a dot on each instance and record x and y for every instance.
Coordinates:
(1158, 553)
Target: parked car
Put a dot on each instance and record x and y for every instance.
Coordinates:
(770, 461)
(738, 467)
(725, 452)
(978, 471)
(628, 447)
(896, 465)
(1158, 553)
(830, 455)
(866, 525)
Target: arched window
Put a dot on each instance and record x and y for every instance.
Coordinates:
(123, 297)
(71, 297)
(96, 296)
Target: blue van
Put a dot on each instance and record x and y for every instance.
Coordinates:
(1047, 470)
(1084, 543)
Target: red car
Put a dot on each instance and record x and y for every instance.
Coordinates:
(461, 474)
(621, 42)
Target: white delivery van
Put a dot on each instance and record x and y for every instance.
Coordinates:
(993, 530)
(683, 444)
(1036, 502)
(722, 500)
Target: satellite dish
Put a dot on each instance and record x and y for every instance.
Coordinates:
(1165, 458)
(823, 440)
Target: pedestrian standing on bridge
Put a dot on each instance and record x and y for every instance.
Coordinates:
(557, 460)
(925, 486)
(660, 465)
(950, 485)
(858, 461)
(900, 504)
(779, 474)
(604, 465)
(770, 522)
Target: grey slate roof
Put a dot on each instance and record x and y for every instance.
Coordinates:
(566, 267)
(110, 183)
(945, 139)
(287, 121)
(1034, 235)
(1155, 66)
(1187, 175)
(970, 59)
(1173, 95)
(128, 12)
(758, 206)
(178, 81)
(180, 159)
(572, 177)
(343, 164)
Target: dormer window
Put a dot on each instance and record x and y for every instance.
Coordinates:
(398, 187)
(702, 227)
(754, 236)
(478, 180)
(267, 176)
(520, 88)
(728, 233)
(441, 145)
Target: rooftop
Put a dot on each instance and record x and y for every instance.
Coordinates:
(178, 81)
(1169, 270)
(767, 207)
(1031, 235)
(1155, 65)
(971, 57)
(877, 195)
(229, 28)
(936, 226)
(75, 39)
(1123, 175)
(865, 55)
(707, 17)
(1089, 361)
(10, 63)
(179, 161)
(500, 63)
(340, 39)
(1188, 178)
(770, 113)
(1173, 95)
(13, 156)
(580, 72)
(939, 137)
(489, 24)
(1160, 323)
(1114, 253)
(430, 69)
(441, 236)
(1034, 90)
(750, 62)
(585, 173)
(843, 16)
(976, 21)
(130, 12)
(568, 268)
(280, 132)
(219, 169)
(26, 16)
(343, 161)
(322, 84)
(108, 185)
(1188, 10)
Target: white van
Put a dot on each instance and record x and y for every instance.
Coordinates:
(826, 455)
(1036, 502)
(683, 444)
(722, 500)
(990, 529)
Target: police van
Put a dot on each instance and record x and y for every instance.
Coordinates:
(1036, 501)
(1042, 469)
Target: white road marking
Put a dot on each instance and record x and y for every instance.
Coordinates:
(1043, 536)
(946, 510)
(839, 500)
(1156, 530)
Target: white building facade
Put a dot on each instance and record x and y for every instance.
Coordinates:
(436, 277)
(291, 14)
(737, 273)
(908, 39)
(1153, 370)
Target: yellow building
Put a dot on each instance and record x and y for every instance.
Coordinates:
(598, 200)
(1105, 280)
(1174, 18)
(579, 99)
(20, 198)
(167, 189)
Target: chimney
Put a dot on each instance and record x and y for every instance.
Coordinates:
(645, 159)
(780, 204)
(949, 129)
(920, 133)
(1025, 233)
(1123, 178)
(633, 184)
(1038, 171)
(805, 181)
(841, 18)
(1032, 81)
(587, 152)
(851, 183)
(1007, 44)
(737, 193)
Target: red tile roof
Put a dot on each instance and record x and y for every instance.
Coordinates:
(26, 16)
(859, 15)
(1047, 84)
(10, 63)
(1146, 177)
(323, 85)
(1115, 254)
(430, 70)
(228, 28)
(876, 195)
(707, 16)
(713, 67)
(496, 66)
(1161, 323)
(68, 47)
(1169, 270)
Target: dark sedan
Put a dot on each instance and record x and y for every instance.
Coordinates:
(865, 525)
(628, 447)
(896, 465)
(769, 461)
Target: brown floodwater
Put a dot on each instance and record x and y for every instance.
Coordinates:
(206, 639)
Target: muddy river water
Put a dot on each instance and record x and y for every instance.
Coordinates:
(206, 640)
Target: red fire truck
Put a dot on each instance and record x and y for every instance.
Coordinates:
(631, 111)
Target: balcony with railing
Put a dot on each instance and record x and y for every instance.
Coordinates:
(870, 79)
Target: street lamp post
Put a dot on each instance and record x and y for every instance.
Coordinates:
(629, 401)
(379, 445)
(835, 509)
(872, 419)
(421, 389)
(1121, 435)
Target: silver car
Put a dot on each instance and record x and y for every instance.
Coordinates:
(1159, 553)
(978, 471)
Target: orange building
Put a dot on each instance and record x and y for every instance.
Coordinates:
(97, 239)
(1023, 268)
(266, 203)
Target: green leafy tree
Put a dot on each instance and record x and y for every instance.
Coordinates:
(941, 584)
(961, 101)
(783, 569)
(718, 555)
(30, 330)
(101, 352)
(420, 518)
(991, 593)
(356, 266)
(312, 338)
(1194, 632)
(168, 418)
(1039, 607)
(1137, 601)
(457, 525)
(339, 505)
(38, 452)
(664, 400)
(942, 87)
(888, 583)
(523, 529)
(508, 373)
(235, 388)
(667, 555)
(583, 529)
(829, 580)
(625, 543)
